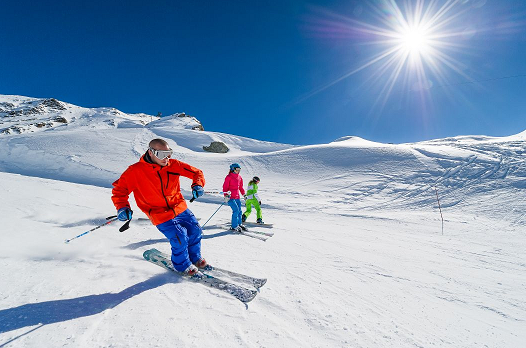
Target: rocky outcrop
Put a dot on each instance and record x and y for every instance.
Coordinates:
(198, 127)
(217, 147)
(30, 115)
(53, 104)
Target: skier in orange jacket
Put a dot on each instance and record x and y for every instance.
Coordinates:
(154, 181)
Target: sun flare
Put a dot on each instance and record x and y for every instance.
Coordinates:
(415, 41)
(413, 44)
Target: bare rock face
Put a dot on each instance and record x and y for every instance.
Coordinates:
(53, 104)
(217, 147)
(30, 115)
(60, 119)
(5, 106)
(199, 125)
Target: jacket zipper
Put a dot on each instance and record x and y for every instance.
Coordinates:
(166, 200)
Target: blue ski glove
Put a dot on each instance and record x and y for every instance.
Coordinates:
(197, 191)
(124, 214)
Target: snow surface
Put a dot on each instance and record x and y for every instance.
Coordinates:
(359, 258)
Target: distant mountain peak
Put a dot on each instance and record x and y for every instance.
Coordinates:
(19, 114)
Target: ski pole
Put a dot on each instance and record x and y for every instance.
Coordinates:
(211, 192)
(110, 220)
(213, 214)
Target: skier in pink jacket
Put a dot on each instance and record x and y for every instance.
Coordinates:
(234, 184)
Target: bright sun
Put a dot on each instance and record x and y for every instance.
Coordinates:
(415, 41)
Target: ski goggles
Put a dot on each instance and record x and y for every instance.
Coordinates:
(161, 154)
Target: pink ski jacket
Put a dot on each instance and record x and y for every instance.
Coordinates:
(234, 184)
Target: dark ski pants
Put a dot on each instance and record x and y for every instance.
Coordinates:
(235, 204)
(184, 234)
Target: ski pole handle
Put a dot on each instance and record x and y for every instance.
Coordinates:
(125, 226)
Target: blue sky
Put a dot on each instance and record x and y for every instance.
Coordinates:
(273, 70)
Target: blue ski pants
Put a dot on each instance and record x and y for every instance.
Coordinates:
(184, 234)
(235, 204)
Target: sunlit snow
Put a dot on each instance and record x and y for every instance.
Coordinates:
(360, 256)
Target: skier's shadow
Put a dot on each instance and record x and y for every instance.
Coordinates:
(50, 312)
(218, 234)
(134, 246)
(99, 221)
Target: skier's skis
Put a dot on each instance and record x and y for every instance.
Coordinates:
(249, 234)
(257, 224)
(256, 282)
(239, 292)
(268, 234)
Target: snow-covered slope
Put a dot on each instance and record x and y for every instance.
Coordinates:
(359, 258)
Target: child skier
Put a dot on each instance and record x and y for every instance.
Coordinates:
(234, 184)
(253, 200)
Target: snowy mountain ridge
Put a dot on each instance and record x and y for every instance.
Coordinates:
(20, 114)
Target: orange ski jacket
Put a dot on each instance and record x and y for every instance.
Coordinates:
(156, 189)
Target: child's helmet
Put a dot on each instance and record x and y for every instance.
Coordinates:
(233, 166)
(256, 179)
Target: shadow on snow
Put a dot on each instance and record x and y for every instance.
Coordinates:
(63, 310)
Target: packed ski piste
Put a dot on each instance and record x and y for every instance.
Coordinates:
(154, 182)
(358, 259)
